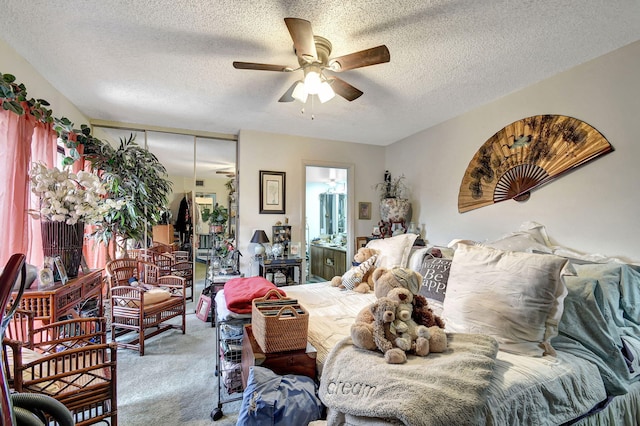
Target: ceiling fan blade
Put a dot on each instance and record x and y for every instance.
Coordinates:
(302, 36)
(261, 67)
(363, 58)
(344, 89)
(288, 95)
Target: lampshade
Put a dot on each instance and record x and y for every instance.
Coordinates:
(259, 237)
(325, 93)
(312, 79)
(300, 92)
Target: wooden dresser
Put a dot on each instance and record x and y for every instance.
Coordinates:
(60, 300)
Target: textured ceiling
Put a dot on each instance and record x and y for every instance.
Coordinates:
(168, 63)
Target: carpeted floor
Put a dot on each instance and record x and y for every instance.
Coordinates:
(174, 383)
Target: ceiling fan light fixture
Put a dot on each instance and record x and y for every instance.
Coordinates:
(312, 79)
(325, 93)
(300, 92)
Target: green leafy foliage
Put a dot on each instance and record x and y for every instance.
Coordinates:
(219, 215)
(13, 95)
(132, 174)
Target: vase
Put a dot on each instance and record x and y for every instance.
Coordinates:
(395, 210)
(65, 241)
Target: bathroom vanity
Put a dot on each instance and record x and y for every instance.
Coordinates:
(327, 261)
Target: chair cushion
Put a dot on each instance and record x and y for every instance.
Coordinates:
(28, 355)
(156, 295)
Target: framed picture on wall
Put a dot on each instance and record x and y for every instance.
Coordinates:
(364, 210)
(272, 192)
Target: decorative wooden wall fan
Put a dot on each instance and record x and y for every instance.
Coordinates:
(526, 154)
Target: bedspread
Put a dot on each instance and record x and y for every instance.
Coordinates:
(524, 390)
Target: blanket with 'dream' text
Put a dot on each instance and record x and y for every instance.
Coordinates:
(439, 389)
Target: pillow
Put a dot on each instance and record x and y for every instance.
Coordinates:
(354, 276)
(515, 297)
(520, 241)
(435, 274)
(393, 251)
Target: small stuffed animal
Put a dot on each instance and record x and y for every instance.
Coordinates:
(437, 339)
(422, 313)
(410, 336)
(385, 281)
(359, 277)
(383, 312)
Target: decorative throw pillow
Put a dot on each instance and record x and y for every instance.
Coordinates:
(515, 297)
(435, 274)
(354, 276)
(393, 251)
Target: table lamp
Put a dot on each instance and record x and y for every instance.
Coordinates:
(260, 238)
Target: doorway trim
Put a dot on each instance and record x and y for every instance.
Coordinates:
(350, 167)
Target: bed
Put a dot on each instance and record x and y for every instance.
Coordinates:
(575, 362)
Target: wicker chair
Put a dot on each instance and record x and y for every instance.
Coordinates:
(181, 255)
(133, 308)
(184, 270)
(68, 360)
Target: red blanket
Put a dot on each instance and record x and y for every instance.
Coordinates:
(239, 292)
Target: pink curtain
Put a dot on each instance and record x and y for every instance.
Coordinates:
(44, 149)
(23, 140)
(15, 150)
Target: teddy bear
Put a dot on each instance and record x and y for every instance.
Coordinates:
(359, 277)
(383, 312)
(409, 335)
(423, 314)
(384, 281)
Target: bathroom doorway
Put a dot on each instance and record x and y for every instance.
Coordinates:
(327, 221)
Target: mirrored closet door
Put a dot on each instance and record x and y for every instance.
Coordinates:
(202, 171)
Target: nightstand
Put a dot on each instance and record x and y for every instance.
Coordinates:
(301, 362)
(281, 271)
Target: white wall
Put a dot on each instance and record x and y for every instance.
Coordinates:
(283, 153)
(594, 209)
(37, 86)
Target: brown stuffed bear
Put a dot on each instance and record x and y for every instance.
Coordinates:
(422, 313)
(360, 277)
(383, 312)
(385, 280)
(409, 335)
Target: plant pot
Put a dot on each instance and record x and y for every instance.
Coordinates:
(395, 210)
(60, 239)
(217, 229)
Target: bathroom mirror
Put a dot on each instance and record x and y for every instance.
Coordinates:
(332, 213)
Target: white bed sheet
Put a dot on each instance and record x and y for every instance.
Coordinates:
(523, 391)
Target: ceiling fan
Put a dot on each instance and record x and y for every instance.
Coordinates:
(313, 58)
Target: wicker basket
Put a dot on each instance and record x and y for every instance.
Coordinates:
(284, 331)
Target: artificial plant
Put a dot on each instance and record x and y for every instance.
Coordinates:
(133, 174)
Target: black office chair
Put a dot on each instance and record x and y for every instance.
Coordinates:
(20, 409)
